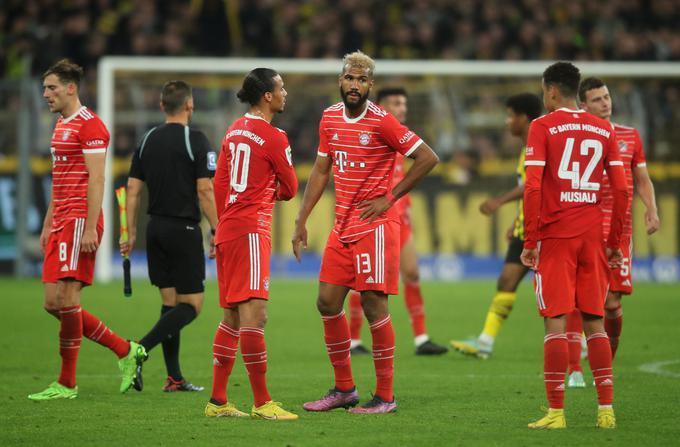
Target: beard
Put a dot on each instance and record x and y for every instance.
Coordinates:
(353, 105)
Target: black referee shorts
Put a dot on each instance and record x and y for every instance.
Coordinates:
(514, 251)
(174, 250)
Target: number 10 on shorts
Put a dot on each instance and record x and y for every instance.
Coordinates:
(363, 263)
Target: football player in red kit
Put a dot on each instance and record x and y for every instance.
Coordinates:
(254, 170)
(359, 142)
(73, 228)
(567, 152)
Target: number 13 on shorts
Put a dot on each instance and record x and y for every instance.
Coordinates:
(363, 263)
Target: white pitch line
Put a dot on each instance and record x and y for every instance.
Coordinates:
(657, 368)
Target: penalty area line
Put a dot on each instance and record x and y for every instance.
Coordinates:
(658, 368)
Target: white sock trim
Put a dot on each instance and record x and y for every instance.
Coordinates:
(420, 339)
(354, 343)
(486, 339)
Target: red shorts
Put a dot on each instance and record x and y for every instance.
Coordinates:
(371, 263)
(405, 230)
(243, 269)
(621, 279)
(63, 258)
(572, 273)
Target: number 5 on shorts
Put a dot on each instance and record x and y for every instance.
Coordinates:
(363, 263)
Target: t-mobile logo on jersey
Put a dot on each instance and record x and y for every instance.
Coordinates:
(341, 161)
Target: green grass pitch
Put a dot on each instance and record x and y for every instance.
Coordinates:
(450, 400)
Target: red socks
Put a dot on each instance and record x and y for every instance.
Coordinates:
(574, 330)
(383, 357)
(70, 336)
(336, 335)
(416, 308)
(555, 362)
(254, 353)
(225, 346)
(600, 359)
(96, 330)
(414, 304)
(356, 315)
(613, 327)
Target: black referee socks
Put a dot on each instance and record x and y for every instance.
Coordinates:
(171, 350)
(170, 323)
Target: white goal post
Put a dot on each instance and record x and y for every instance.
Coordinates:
(109, 65)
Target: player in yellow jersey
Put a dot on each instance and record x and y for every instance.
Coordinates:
(521, 110)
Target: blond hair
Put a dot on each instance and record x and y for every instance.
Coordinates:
(358, 59)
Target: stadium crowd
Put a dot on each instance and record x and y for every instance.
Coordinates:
(84, 30)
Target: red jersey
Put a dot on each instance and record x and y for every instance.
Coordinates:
(254, 169)
(566, 156)
(404, 202)
(73, 137)
(364, 151)
(632, 155)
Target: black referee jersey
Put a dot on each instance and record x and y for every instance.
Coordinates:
(169, 160)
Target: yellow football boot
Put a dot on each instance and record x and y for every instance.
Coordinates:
(227, 410)
(606, 418)
(272, 411)
(551, 421)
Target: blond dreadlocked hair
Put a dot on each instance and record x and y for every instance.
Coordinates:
(358, 59)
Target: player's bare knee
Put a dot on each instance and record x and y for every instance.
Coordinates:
(52, 309)
(327, 306)
(506, 283)
(375, 308)
(411, 276)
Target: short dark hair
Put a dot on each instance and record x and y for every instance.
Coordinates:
(174, 95)
(256, 83)
(526, 104)
(390, 91)
(588, 84)
(563, 75)
(66, 71)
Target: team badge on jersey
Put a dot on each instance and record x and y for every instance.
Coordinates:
(623, 146)
(65, 135)
(364, 138)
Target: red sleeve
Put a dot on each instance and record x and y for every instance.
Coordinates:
(222, 178)
(324, 149)
(94, 138)
(534, 165)
(639, 159)
(281, 159)
(399, 137)
(617, 180)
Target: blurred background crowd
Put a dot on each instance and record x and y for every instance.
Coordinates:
(467, 128)
(404, 29)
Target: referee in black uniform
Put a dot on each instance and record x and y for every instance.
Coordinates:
(177, 166)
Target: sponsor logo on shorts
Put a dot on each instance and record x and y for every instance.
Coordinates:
(370, 280)
(189, 227)
(626, 283)
(64, 268)
(266, 284)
